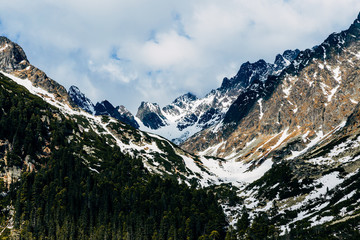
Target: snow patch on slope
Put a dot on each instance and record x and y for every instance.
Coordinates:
(236, 172)
(261, 108)
(319, 137)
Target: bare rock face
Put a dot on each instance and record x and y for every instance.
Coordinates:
(285, 114)
(81, 100)
(13, 60)
(151, 115)
(119, 112)
(12, 56)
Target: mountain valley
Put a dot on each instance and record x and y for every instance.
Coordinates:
(274, 153)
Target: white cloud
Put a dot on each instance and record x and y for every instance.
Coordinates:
(130, 51)
(168, 50)
(115, 72)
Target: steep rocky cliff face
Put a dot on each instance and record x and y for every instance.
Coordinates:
(13, 60)
(286, 114)
(12, 55)
(150, 115)
(127, 116)
(81, 100)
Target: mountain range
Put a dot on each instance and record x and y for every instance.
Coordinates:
(187, 114)
(273, 153)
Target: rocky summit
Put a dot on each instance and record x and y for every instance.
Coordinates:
(14, 61)
(150, 115)
(81, 100)
(119, 112)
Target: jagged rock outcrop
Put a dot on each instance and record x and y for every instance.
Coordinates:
(285, 59)
(181, 102)
(127, 116)
(81, 100)
(248, 73)
(14, 61)
(151, 115)
(120, 113)
(12, 56)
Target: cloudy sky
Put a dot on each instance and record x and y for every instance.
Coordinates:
(155, 50)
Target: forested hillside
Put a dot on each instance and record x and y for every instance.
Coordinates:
(60, 194)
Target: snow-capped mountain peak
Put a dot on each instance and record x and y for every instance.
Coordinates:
(187, 114)
(285, 59)
(184, 100)
(151, 115)
(81, 100)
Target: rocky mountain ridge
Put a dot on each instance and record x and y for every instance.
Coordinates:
(158, 154)
(187, 114)
(308, 100)
(151, 115)
(101, 108)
